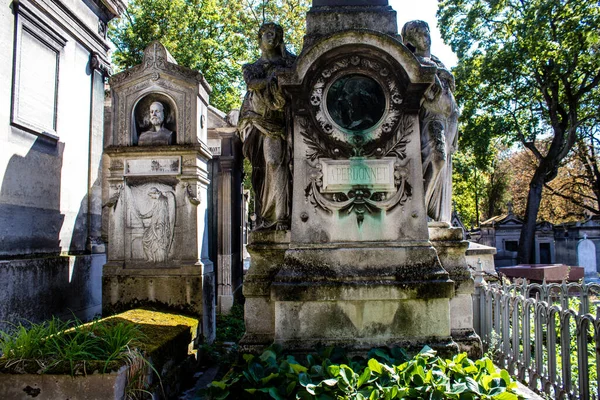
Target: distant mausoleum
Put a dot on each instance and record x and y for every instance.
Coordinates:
(503, 232)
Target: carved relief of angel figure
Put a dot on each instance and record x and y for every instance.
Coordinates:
(438, 120)
(159, 224)
(262, 128)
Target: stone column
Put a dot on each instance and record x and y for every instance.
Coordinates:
(94, 242)
(227, 176)
(224, 285)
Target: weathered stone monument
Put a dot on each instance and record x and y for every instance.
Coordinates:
(586, 258)
(158, 250)
(351, 146)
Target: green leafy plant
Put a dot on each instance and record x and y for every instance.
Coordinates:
(230, 327)
(384, 374)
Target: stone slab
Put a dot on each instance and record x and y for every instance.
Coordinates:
(52, 387)
(539, 272)
(340, 175)
(74, 283)
(153, 166)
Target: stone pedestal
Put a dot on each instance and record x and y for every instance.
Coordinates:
(157, 176)
(267, 250)
(451, 248)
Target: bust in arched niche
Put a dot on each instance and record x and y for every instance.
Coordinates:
(157, 134)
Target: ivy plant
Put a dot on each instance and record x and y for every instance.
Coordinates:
(385, 374)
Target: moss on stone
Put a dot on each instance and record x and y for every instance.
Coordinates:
(158, 327)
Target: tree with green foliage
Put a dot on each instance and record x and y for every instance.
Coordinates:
(527, 70)
(467, 188)
(213, 36)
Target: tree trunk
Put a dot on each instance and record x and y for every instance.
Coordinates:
(526, 253)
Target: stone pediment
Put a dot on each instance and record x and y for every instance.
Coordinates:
(157, 60)
(544, 226)
(502, 220)
(182, 94)
(217, 118)
(416, 76)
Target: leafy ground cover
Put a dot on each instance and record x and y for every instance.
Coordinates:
(384, 374)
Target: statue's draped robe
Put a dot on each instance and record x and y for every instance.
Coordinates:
(439, 137)
(262, 126)
(157, 235)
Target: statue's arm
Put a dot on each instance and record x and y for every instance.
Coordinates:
(254, 78)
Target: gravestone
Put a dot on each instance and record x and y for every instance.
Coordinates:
(586, 258)
(157, 173)
(342, 253)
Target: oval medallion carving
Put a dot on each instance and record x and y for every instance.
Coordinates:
(355, 102)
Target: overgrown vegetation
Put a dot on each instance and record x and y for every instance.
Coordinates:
(230, 327)
(384, 374)
(68, 346)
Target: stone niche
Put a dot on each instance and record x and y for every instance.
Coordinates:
(357, 267)
(157, 201)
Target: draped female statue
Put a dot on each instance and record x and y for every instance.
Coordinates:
(263, 130)
(438, 120)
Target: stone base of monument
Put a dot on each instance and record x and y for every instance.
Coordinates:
(267, 249)
(358, 296)
(451, 248)
(183, 289)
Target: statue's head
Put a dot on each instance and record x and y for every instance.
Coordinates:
(270, 36)
(157, 113)
(154, 192)
(416, 36)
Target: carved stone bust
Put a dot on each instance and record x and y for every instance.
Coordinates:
(158, 134)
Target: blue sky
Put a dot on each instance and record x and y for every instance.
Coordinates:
(408, 10)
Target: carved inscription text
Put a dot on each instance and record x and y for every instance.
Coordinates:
(340, 175)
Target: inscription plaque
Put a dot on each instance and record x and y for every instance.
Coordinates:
(214, 145)
(153, 166)
(341, 175)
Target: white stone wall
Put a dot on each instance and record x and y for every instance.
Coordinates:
(50, 183)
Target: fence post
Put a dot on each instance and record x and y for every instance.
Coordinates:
(479, 299)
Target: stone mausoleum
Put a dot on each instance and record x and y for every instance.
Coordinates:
(53, 65)
(351, 147)
(157, 180)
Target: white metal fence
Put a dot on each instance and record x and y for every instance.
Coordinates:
(545, 334)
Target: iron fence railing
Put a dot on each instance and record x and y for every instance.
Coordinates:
(547, 335)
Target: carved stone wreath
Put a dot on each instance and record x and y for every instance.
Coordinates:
(371, 69)
(353, 149)
(359, 199)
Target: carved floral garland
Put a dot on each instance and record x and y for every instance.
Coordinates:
(358, 200)
(371, 68)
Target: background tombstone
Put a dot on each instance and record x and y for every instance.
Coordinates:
(157, 195)
(357, 268)
(586, 258)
